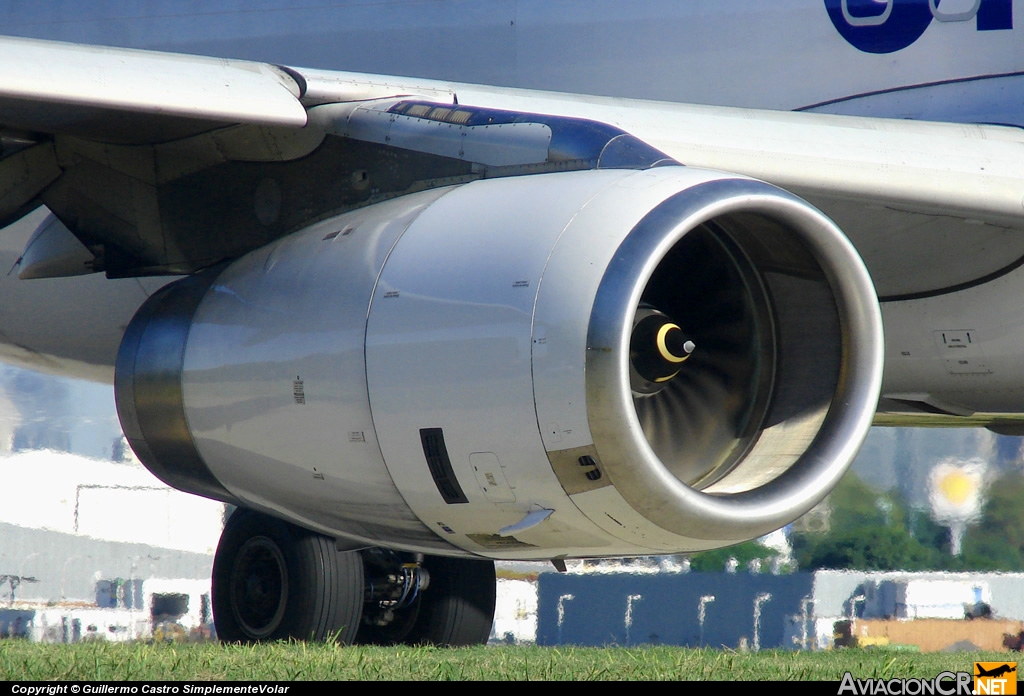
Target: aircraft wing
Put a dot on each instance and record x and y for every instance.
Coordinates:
(124, 95)
(945, 199)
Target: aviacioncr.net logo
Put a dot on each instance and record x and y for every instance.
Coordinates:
(886, 26)
(945, 684)
(995, 678)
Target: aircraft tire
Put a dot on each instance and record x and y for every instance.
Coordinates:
(273, 581)
(458, 607)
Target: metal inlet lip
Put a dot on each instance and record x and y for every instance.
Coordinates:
(845, 400)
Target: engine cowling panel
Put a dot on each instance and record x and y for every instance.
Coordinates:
(451, 371)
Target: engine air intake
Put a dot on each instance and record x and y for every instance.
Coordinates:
(759, 422)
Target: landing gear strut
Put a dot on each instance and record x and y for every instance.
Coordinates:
(443, 601)
(273, 580)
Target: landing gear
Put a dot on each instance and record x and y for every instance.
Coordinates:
(446, 601)
(273, 581)
(459, 607)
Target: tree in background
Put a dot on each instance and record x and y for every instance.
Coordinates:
(997, 541)
(868, 531)
(714, 561)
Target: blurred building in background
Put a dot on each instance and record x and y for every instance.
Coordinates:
(92, 546)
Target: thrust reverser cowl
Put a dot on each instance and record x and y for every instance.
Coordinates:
(439, 371)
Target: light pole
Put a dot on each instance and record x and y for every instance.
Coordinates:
(760, 599)
(705, 600)
(805, 615)
(854, 601)
(630, 600)
(561, 612)
(21, 573)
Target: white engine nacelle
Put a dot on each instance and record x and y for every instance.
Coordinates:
(503, 368)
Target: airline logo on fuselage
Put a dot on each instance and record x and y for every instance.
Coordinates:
(886, 26)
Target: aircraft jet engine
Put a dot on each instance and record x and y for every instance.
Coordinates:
(588, 363)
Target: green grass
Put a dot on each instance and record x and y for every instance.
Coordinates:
(20, 660)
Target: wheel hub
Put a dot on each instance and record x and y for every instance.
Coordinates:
(259, 587)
